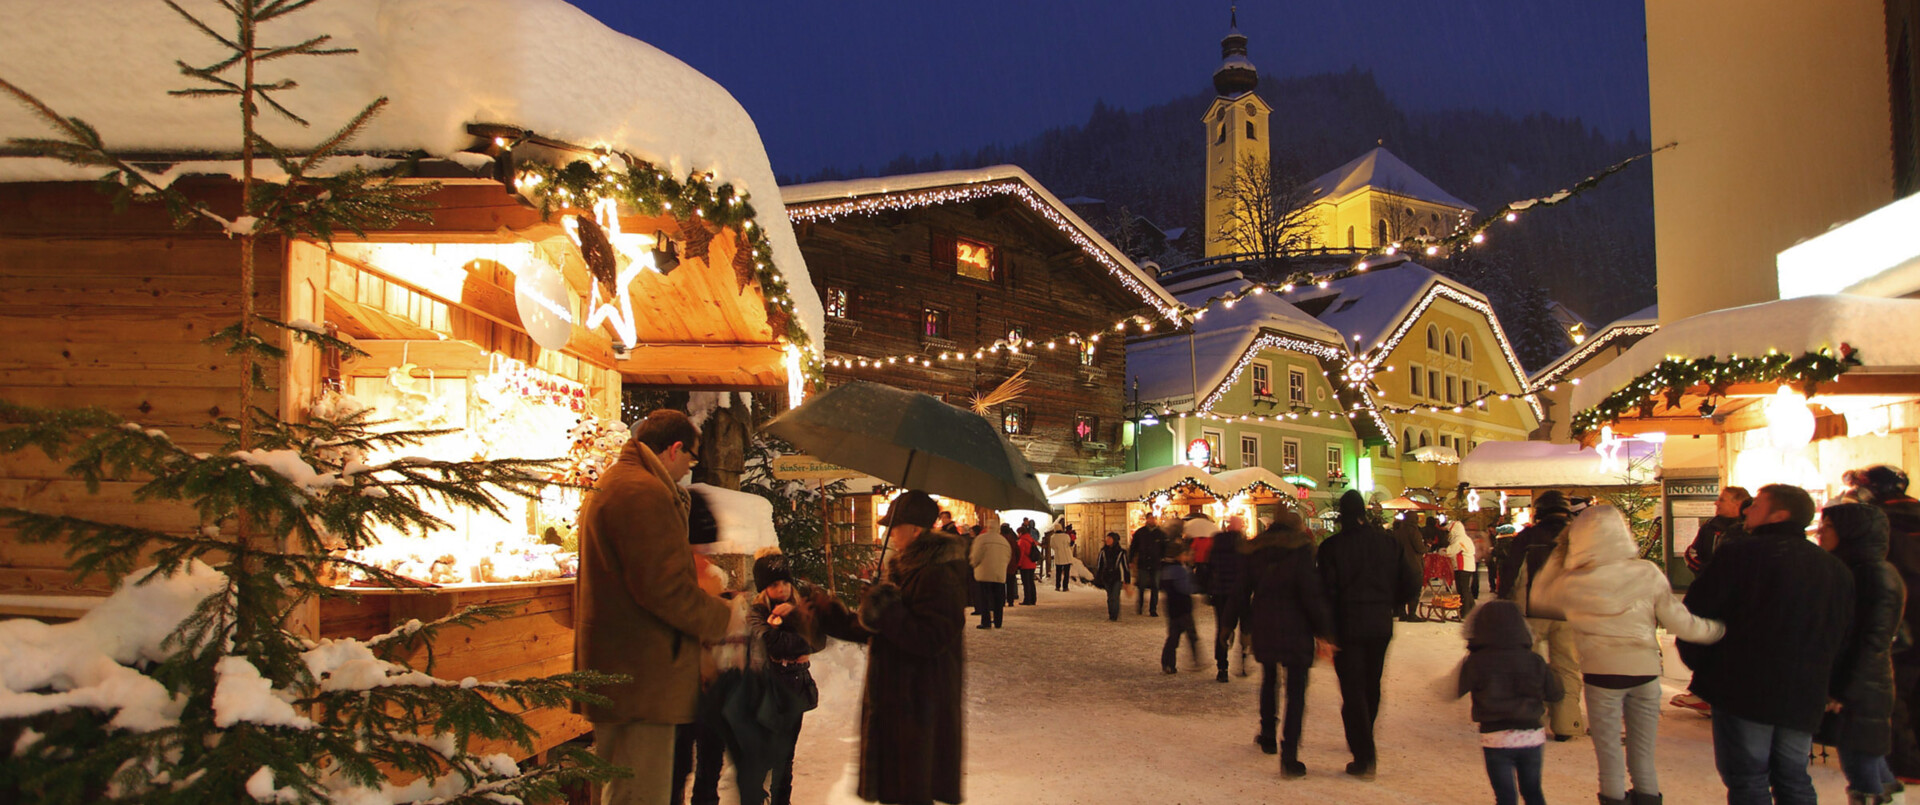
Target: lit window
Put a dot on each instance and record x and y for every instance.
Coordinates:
(837, 302)
(1336, 461)
(976, 260)
(1085, 426)
(1262, 380)
(1086, 352)
(1290, 455)
(1249, 451)
(1296, 386)
(1013, 419)
(933, 323)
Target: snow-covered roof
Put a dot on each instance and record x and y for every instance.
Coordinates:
(1168, 369)
(1640, 322)
(1233, 482)
(540, 65)
(1435, 454)
(1381, 170)
(1133, 485)
(828, 200)
(1882, 332)
(1542, 464)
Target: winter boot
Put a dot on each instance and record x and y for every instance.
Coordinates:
(1290, 765)
(1222, 676)
(1606, 800)
(1861, 798)
(1264, 738)
(1637, 798)
(1363, 771)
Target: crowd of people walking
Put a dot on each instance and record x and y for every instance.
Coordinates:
(1790, 641)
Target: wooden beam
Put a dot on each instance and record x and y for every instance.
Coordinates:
(739, 361)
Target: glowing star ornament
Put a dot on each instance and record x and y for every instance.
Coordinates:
(633, 254)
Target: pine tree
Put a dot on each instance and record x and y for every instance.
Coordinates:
(258, 711)
(801, 522)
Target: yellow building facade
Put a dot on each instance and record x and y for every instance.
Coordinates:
(1440, 367)
(1377, 200)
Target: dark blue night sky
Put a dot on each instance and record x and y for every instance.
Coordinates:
(862, 81)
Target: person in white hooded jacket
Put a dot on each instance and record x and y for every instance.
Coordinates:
(1613, 600)
(1466, 574)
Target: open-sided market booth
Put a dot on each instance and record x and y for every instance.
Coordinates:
(1796, 391)
(594, 223)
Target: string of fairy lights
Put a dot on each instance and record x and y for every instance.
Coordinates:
(1670, 381)
(1466, 235)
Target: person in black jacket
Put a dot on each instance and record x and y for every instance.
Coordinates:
(1886, 488)
(1367, 577)
(1528, 550)
(1226, 594)
(1723, 528)
(1288, 618)
(1145, 549)
(1111, 573)
(1408, 535)
(1787, 606)
(1859, 719)
(1511, 686)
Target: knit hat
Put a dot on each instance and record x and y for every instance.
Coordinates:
(770, 566)
(1884, 481)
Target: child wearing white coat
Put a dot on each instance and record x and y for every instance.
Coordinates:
(1613, 600)
(1466, 573)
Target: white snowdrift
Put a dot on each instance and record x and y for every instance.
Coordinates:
(87, 662)
(541, 65)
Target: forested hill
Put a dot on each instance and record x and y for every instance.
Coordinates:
(1595, 254)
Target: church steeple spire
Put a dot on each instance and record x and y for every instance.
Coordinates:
(1236, 75)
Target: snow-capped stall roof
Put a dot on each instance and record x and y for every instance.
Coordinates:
(1380, 170)
(1133, 485)
(539, 65)
(1881, 331)
(1640, 322)
(1168, 369)
(828, 200)
(1233, 482)
(1533, 465)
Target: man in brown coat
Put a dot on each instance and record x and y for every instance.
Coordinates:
(913, 718)
(640, 611)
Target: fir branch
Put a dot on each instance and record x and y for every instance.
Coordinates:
(50, 429)
(203, 27)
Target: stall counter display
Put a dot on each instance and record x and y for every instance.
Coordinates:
(511, 410)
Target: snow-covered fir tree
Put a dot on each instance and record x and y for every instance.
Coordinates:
(190, 684)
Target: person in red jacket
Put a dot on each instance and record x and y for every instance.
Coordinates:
(1023, 553)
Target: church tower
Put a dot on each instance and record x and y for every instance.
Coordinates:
(1236, 131)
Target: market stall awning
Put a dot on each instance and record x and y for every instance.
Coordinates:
(1404, 503)
(1533, 465)
(1251, 479)
(1692, 374)
(1137, 485)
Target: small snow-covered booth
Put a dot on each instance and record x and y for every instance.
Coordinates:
(1116, 503)
(604, 214)
(1504, 476)
(1795, 391)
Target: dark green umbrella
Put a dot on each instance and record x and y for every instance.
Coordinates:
(913, 441)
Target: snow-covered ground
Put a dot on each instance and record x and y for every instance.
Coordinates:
(1066, 707)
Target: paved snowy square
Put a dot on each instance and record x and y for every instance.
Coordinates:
(1067, 707)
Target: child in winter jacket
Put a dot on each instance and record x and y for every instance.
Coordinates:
(1613, 600)
(765, 720)
(1511, 686)
(1177, 584)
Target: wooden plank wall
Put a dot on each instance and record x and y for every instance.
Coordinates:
(109, 309)
(1051, 287)
(536, 640)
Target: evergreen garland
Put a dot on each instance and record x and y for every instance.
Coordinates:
(640, 186)
(1671, 380)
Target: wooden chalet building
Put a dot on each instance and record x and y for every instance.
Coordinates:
(952, 282)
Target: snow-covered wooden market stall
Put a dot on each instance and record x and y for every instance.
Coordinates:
(603, 215)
